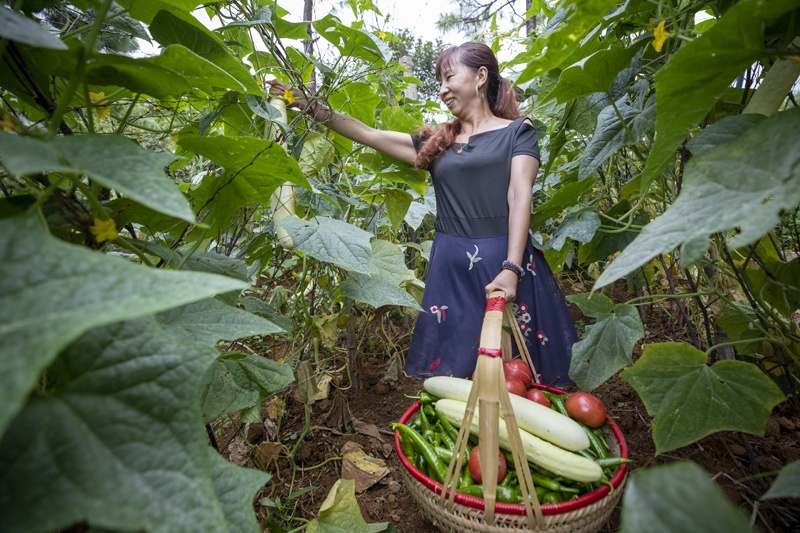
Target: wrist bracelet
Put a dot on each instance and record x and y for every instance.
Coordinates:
(513, 267)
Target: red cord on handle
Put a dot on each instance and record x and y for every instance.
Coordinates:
(491, 352)
(495, 304)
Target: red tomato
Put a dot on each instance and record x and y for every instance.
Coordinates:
(518, 369)
(535, 395)
(586, 408)
(474, 465)
(515, 386)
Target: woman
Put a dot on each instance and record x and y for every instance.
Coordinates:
(483, 165)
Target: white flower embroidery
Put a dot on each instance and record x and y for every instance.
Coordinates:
(473, 258)
(439, 311)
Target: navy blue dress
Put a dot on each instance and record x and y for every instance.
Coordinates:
(470, 244)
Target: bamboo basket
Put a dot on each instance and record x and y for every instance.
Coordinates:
(463, 513)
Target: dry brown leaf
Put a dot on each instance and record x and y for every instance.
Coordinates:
(360, 467)
(276, 408)
(370, 430)
(338, 417)
(267, 452)
(306, 384)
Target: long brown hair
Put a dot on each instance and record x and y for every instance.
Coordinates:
(499, 93)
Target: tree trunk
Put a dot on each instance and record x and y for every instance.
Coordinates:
(308, 44)
(530, 24)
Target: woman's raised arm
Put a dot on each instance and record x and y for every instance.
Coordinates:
(394, 143)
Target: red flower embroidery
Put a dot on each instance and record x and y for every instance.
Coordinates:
(435, 364)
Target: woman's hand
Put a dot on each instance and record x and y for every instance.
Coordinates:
(294, 98)
(505, 281)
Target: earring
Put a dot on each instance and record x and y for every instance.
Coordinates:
(478, 93)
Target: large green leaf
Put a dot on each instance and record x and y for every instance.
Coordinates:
(17, 27)
(689, 399)
(397, 203)
(140, 75)
(52, 292)
(198, 71)
(612, 133)
(738, 320)
(592, 74)
(723, 131)
(755, 177)
(357, 100)
(352, 42)
(318, 152)
(339, 512)
(388, 261)
(235, 488)
(331, 241)
(555, 47)
(111, 160)
(787, 484)
(210, 321)
(704, 69)
(607, 345)
(579, 225)
(237, 381)
(145, 11)
(678, 497)
(564, 197)
(254, 168)
(377, 291)
(174, 27)
(118, 441)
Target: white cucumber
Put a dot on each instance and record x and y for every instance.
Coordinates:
(540, 452)
(533, 417)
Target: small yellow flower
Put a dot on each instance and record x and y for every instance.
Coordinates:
(175, 135)
(102, 110)
(104, 230)
(288, 95)
(382, 35)
(660, 36)
(398, 97)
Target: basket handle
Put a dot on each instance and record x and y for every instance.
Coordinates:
(489, 395)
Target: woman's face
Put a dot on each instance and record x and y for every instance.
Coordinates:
(457, 88)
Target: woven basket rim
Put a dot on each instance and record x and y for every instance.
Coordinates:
(518, 508)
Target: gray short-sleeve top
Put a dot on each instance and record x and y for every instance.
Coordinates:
(472, 186)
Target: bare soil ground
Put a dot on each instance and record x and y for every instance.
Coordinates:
(734, 460)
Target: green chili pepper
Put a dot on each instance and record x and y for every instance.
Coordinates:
(612, 461)
(510, 479)
(466, 478)
(503, 494)
(551, 484)
(427, 398)
(448, 427)
(594, 443)
(426, 429)
(426, 450)
(407, 447)
(552, 497)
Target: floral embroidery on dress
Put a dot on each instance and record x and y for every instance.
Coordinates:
(439, 311)
(523, 317)
(541, 337)
(473, 258)
(531, 265)
(435, 364)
